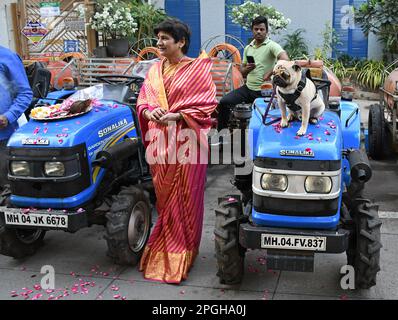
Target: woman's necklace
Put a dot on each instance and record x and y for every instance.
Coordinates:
(173, 72)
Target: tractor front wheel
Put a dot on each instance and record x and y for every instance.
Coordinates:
(17, 242)
(230, 254)
(128, 226)
(365, 244)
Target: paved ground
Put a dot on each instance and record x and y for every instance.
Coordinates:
(84, 272)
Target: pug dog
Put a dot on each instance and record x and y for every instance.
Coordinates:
(296, 91)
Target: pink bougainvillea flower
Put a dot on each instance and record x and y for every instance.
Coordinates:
(105, 274)
(115, 106)
(308, 149)
(321, 118)
(36, 131)
(25, 211)
(37, 296)
(37, 287)
(49, 210)
(124, 298)
(327, 132)
(49, 291)
(114, 288)
(45, 130)
(310, 138)
(60, 141)
(116, 296)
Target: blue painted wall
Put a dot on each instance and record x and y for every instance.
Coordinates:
(189, 12)
(353, 41)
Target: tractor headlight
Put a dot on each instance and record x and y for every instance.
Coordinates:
(274, 182)
(20, 168)
(314, 184)
(54, 169)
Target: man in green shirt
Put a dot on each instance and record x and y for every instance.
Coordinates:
(265, 53)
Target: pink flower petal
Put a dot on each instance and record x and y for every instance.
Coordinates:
(308, 149)
(49, 210)
(60, 141)
(45, 130)
(116, 296)
(25, 211)
(36, 131)
(311, 138)
(80, 210)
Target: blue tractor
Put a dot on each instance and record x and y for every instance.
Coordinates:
(71, 173)
(300, 196)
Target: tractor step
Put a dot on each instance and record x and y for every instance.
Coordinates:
(290, 261)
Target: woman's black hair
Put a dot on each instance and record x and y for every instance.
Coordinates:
(259, 20)
(178, 31)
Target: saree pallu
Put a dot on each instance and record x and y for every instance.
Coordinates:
(179, 185)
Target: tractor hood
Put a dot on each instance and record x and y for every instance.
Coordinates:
(322, 141)
(93, 128)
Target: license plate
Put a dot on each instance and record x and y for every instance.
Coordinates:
(36, 220)
(276, 241)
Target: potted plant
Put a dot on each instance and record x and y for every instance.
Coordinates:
(115, 21)
(244, 14)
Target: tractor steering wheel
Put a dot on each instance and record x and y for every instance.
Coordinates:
(113, 79)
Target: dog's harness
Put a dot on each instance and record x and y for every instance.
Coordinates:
(290, 98)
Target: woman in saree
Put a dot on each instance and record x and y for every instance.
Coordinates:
(174, 108)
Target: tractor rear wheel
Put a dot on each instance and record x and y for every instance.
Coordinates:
(128, 225)
(365, 244)
(17, 242)
(230, 254)
(376, 131)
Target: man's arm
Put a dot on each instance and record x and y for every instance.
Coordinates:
(19, 84)
(281, 56)
(246, 68)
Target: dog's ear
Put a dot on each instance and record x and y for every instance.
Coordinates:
(296, 67)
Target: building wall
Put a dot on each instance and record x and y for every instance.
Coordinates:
(6, 35)
(320, 11)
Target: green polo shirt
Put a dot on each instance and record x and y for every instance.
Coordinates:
(265, 57)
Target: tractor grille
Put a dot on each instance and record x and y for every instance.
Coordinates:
(296, 207)
(39, 186)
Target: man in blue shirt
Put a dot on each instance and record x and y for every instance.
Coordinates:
(15, 97)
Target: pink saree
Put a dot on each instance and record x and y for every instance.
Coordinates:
(179, 185)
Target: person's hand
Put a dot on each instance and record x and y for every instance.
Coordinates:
(249, 67)
(170, 117)
(155, 114)
(267, 76)
(3, 122)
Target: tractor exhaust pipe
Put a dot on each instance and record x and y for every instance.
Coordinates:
(119, 151)
(360, 167)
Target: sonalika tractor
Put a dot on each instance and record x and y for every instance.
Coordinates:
(71, 173)
(302, 195)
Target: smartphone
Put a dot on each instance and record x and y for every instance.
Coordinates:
(250, 59)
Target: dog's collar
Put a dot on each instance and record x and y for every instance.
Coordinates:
(290, 98)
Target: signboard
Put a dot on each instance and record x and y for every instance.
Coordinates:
(34, 31)
(75, 24)
(71, 45)
(50, 9)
